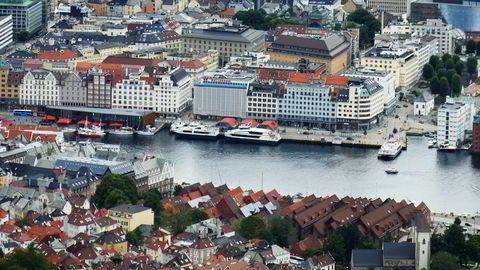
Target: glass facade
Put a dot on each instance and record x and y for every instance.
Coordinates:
(464, 17)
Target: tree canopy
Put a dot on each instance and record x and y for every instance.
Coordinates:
(456, 84)
(153, 199)
(369, 23)
(472, 65)
(433, 61)
(444, 261)
(115, 189)
(444, 87)
(280, 228)
(471, 46)
(435, 85)
(180, 221)
(254, 227)
(428, 72)
(28, 259)
(134, 237)
(259, 19)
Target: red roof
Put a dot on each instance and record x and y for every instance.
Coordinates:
(64, 121)
(49, 118)
(191, 64)
(270, 124)
(250, 122)
(156, 245)
(227, 13)
(336, 80)
(300, 78)
(3, 213)
(65, 54)
(84, 122)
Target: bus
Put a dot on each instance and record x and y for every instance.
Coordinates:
(22, 113)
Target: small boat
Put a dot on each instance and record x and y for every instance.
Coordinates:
(447, 148)
(93, 132)
(121, 131)
(69, 130)
(432, 143)
(148, 131)
(391, 171)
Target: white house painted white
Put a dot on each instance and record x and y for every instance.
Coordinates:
(423, 105)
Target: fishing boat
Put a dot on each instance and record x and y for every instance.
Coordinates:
(148, 131)
(123, 131)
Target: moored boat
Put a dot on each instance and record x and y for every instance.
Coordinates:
(123, 131)
(148, 131)
(93, 132)
(263, 134)
(391, 171)
(196, 131)
(390, 150)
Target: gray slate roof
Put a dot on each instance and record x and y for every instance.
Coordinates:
(399, 251)
(129, 208)
(367, 258)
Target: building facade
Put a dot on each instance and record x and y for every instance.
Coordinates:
(6, 31)
(476, 135)
(423, 105)
(26, 14)
(73, 91)
(442, 31)
(222, 95)
(262, 101)
(131, 216)
(333, 50)
(10, 81)
(402, 63)
(227, 41)
(155, 173)
(396, 7)
(40, 88)
(99, 89)
(453, 119)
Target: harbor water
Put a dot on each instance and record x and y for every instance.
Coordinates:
(447, 182)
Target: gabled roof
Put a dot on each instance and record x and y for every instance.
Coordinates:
(202, 244)
(128, 208)
(64, 54)
(367, 258)
(109, 238)
(399, 251)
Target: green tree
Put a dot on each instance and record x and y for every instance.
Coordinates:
(437, 243)
(449, 75)
(280, 228)
(122, 183)
(458, 49)
(435, 85)
(440, 65)
(428, 72)
(115, 197)
(457, 84)
(471, 46)
(455, 240)
(177, 190)
(441, 72)
(27, 259)
(449, 64)
(369, 23)
(336, 247)
(23, 36)
(459, 67)
(310, 252)
(21, 222)
(252, 18)
(444, 261)
(455, 58)
(478, 48)
(252, 227)
(135, 237)
(153, 199)
(183, 219)
(446, 57)
(472, 65)
(473, 248)
(433, 61)
(444, 87)
(395, 131)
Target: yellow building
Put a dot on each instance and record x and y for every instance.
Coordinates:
(9, 84)
(100, 9)
(111, 241)
(401, 62)
(131, 216)
(334, 50)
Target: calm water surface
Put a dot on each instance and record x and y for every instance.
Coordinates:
(445, 181)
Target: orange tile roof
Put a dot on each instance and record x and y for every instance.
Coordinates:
(194, 195)
(228, 12)
(299, 78)
(38, 231)
(109, 68)
(192, 64)
(258, 195)
(57, 55)
(213, 212)
(3, 213)
(336, 80)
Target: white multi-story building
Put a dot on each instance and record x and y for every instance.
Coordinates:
(167, 91)
(357, 104)
(222, 94)
(40, 88)
(444, 33)
(453, 119)
(383, 78)
(262, 100)
(396, 7)
(6, 31)
(403, 63)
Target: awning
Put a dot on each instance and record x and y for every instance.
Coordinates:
(2, 118)
(85, 122)
(49, 118)
(64, 121)
(99, 124)
(116, 125)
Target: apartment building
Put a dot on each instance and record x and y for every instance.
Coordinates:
(167, 91)
(131, 216)
(73, 91)
(99, 89)
(444, 32)
(222, 94)
(6, 31)
(10, 81)
(383, 78)
(395, 7)
(166, 39)
(334, 50)
(26, 14)
(40, 88)
(453, 119)
(154, 173)
(228, 41)
(403, 63)
(262, 100)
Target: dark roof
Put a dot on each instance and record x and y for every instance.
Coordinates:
(367, 258)
(202, 243)
(25, 170)
(21, 55)
(422, 224)
(399, 251)
(109, 238)
(178, 75)
(128, 208)
(327, 45)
